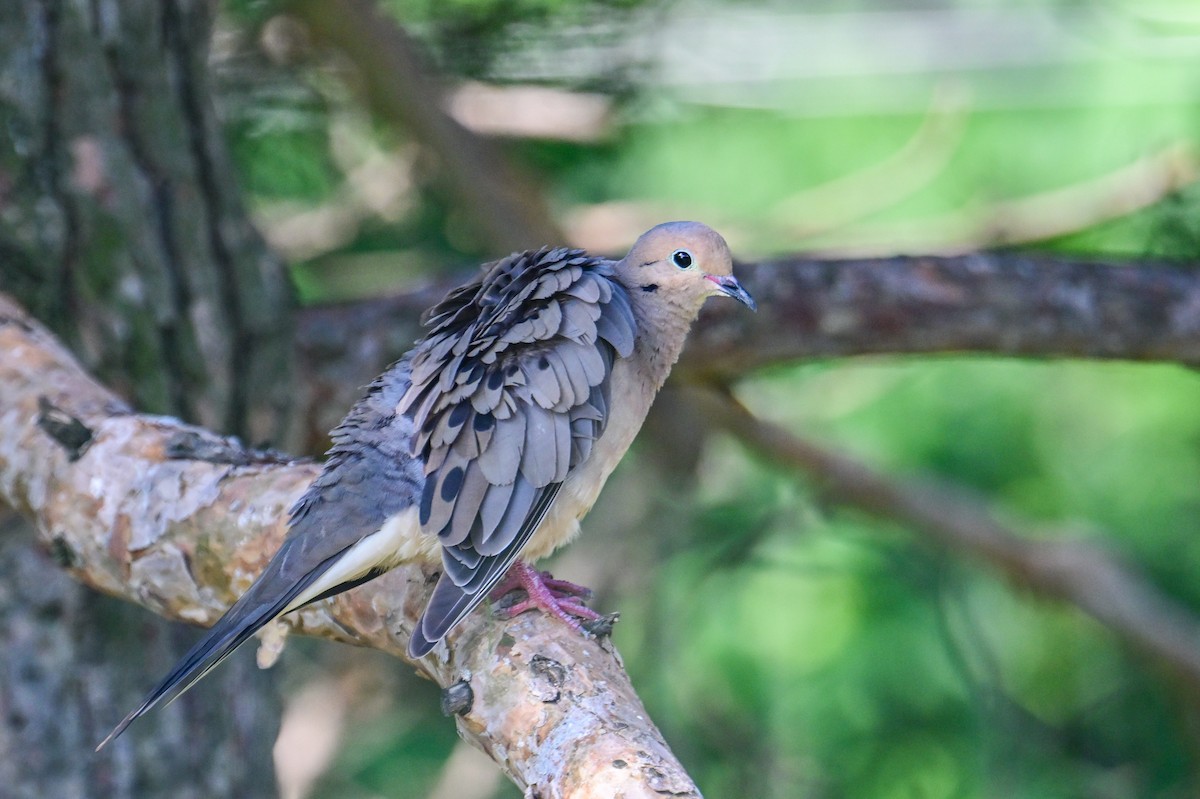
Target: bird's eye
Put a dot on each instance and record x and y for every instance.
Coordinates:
(681, 258)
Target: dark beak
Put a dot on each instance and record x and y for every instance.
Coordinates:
(729, 286)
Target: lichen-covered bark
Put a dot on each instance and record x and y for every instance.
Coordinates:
(120, 224)
(181, 520)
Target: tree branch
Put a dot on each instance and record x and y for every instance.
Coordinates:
(503, 203)
(180, 520)
(1075, 571)
(1000, 303)
(995, 303)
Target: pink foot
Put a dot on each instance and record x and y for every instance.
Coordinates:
(559, 598)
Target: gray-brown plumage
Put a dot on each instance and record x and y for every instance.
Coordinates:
(509, 393)
(491, 438)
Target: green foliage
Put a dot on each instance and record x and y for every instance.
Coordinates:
(787, 648)
(884, 668)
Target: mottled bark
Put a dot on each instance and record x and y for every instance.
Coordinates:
(120, 223)
(180, 520)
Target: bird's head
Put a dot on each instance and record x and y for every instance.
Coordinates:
(687, 261)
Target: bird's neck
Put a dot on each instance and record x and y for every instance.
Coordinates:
(663, 323)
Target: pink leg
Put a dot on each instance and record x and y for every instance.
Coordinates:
(559, 598)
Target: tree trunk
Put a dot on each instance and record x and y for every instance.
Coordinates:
(120, 225)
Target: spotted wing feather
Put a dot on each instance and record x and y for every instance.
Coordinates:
(509, 391)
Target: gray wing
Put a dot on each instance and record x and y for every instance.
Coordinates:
(369, 476)
(509, 391)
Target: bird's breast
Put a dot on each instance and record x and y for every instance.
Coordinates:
(631, 396)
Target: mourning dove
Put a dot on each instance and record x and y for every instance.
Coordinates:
(490, 440)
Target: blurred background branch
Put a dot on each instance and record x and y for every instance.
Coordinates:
(1080, 573)
(998, 303)
(503, 203)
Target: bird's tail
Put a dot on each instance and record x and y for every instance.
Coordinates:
(257, 607)
(448, 605)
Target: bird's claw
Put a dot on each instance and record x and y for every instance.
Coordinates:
(559, 598)
(601, 627)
